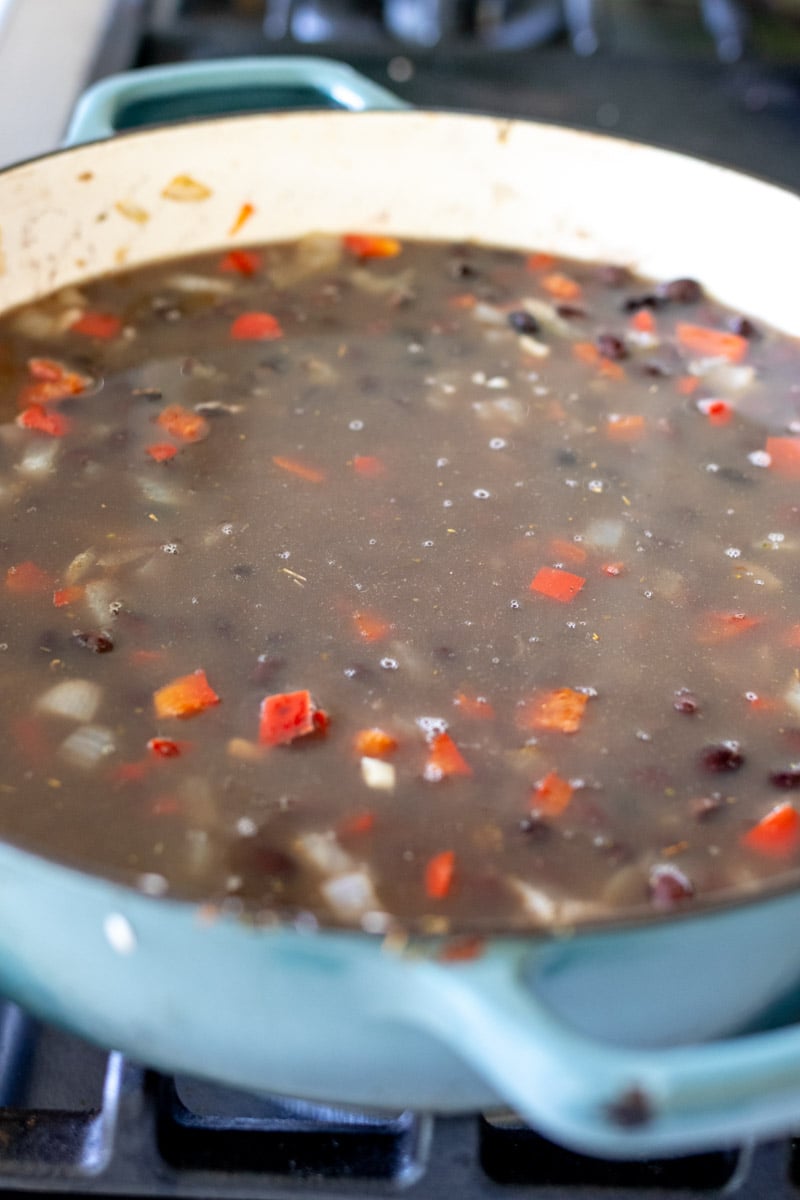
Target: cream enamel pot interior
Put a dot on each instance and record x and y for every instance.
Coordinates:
(654, 1039)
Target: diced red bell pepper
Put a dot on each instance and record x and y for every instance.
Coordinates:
(777, 835)
(444, 759)
(183, 423)
(718, 627)
(161, 451)
(711, 343)
(365, 245)
(370, 627)
(165, 747)
(476, 707)
(557, 584)
(552, 795)
(287, 716)
(302, 470)
(369, 466)
(186, 696)
(256, 327)
(559, 711)
(439, 873)
(44, 420)
(63, 597)
(784, 453)
(240, 262)
(97, 325)
(27, 578)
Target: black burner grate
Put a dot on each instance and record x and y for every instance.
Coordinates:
(75, 1120)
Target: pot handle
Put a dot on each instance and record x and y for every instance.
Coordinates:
(176, 92)
(592, 1096)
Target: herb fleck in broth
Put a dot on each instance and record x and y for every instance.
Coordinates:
(421, 583)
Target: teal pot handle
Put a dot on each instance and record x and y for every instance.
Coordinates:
(502, 1014)
(154, 95)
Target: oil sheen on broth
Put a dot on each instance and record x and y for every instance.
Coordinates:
(401, 584)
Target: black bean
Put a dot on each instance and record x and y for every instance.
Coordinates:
(634, 303)
(242, 571)
(613, 276)
(98, 643)
(744, 327)
(611, 346)
(570, 311)
(685, 702)
(147, 393)
(523, 322)
(788, 778)
(724, 757)
(251, 855)
(668, 886)
(680, 291)
(535, 828)
(566, 458)
(459, 268)
(658, 370)
(735, 476)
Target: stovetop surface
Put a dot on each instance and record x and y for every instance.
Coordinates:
(76, 1120)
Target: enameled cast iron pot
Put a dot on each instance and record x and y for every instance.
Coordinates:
(655, 1038)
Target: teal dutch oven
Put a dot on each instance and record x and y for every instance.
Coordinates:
(654, 1038)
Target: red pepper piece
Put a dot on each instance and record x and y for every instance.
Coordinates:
(365, 245)
(559, 711)
(370, 627)
(186, 696)
(27, 579)
(43, 420)
(97, 325)
(785, 455)
(476, 707)
(552, 795)
(161, 451)
(289, 715)
(557, 584)
(357, 825)
(165, 747)
(63, 597)
(444, 759)
(182, 423)
(718, 627)
(369, 466)
(777, 835)
(256, 327)
(711, 343)
(240, 262)
(439, 873)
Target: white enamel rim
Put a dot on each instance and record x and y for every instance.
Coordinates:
(95, 208)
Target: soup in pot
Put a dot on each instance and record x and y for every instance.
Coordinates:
(390, 584)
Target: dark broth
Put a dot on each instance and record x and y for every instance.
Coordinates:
(536, 522)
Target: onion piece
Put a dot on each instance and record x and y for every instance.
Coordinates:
(316, 253)
(381, 285)
(323, 852)
(505, 410)
(546, 909)
(604, 532)
(378, 774)
(547, 316)
(99, 596)
(352, 895)
(87, 745)
(488, 314)
(185, 281)
(792, 696)
(76, 699)
(40, 457)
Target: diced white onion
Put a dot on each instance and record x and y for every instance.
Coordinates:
(159, 491)
(487, 314)
(533, 347)
(323, 852)
(79, 566)
(545, 909)
(316, 253)
(545, 313)
(351, 895)
(87, 745)
(381, 285)
(76, 699)
(792, 696)
(99, 595)
(185, 281)
(723, 376)
(505, 410)
(604, 532)
(40, 457)
(378, 774)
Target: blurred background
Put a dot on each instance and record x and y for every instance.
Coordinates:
(718, 78)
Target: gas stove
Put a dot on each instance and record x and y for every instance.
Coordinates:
(714, 80)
